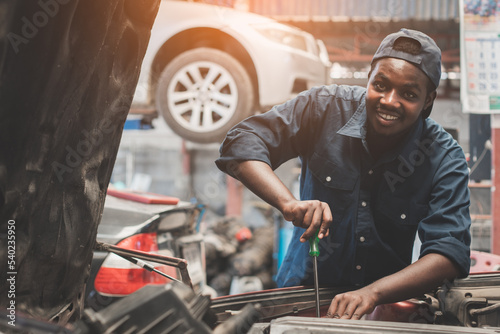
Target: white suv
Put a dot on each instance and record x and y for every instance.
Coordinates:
(208, 67)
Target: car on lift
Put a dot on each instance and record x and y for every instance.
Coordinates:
(207, 67)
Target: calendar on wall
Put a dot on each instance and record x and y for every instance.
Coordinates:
(480, 55)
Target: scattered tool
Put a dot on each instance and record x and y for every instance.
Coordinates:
(314, 252)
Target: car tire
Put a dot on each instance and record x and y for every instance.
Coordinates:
(202, 93)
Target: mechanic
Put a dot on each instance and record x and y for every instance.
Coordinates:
(375, 171)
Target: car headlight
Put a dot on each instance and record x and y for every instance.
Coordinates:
(283, 35)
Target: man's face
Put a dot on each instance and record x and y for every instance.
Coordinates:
(396, 96)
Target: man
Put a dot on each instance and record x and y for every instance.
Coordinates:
(375, 171)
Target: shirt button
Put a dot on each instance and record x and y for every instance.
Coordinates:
(358, 267)
(363, 204)
(370, 172)
(328, 179)
(403, 216)
(362, 239)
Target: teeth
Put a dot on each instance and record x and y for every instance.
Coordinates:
(388, 117)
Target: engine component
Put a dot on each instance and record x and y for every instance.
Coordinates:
(172, 308)
(472, 302)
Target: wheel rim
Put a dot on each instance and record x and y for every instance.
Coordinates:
(202, 96)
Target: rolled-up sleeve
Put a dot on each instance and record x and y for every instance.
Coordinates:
(273, 137)
(446, 230)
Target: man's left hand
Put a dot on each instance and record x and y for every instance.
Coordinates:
(352, 304)
(419, 277)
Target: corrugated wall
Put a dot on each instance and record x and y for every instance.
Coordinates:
(342, 10)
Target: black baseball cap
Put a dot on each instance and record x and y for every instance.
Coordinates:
(428, 60)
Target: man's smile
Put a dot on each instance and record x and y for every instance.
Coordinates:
(387, 116)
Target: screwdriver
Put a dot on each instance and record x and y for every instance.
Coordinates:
(314, 252)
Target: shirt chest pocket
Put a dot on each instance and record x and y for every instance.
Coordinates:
(331, 175)
(401, 211)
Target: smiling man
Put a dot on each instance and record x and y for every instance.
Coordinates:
(376, 170)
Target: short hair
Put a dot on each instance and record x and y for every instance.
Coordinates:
(408, 45)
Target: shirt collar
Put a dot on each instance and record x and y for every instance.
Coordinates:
(411, 143)
(355, 126)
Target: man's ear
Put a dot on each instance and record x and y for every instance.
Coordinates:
(430, 99)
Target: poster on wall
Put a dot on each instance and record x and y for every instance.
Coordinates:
(480, 55)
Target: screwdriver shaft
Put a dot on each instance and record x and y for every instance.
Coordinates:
(316, 285)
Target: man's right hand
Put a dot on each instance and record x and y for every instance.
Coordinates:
(262, 181)
(311, 215)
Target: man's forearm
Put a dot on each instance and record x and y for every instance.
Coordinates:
(418, 278)
(259, 178)
(262, 181)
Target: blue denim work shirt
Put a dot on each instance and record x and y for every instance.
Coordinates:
(377, 206)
